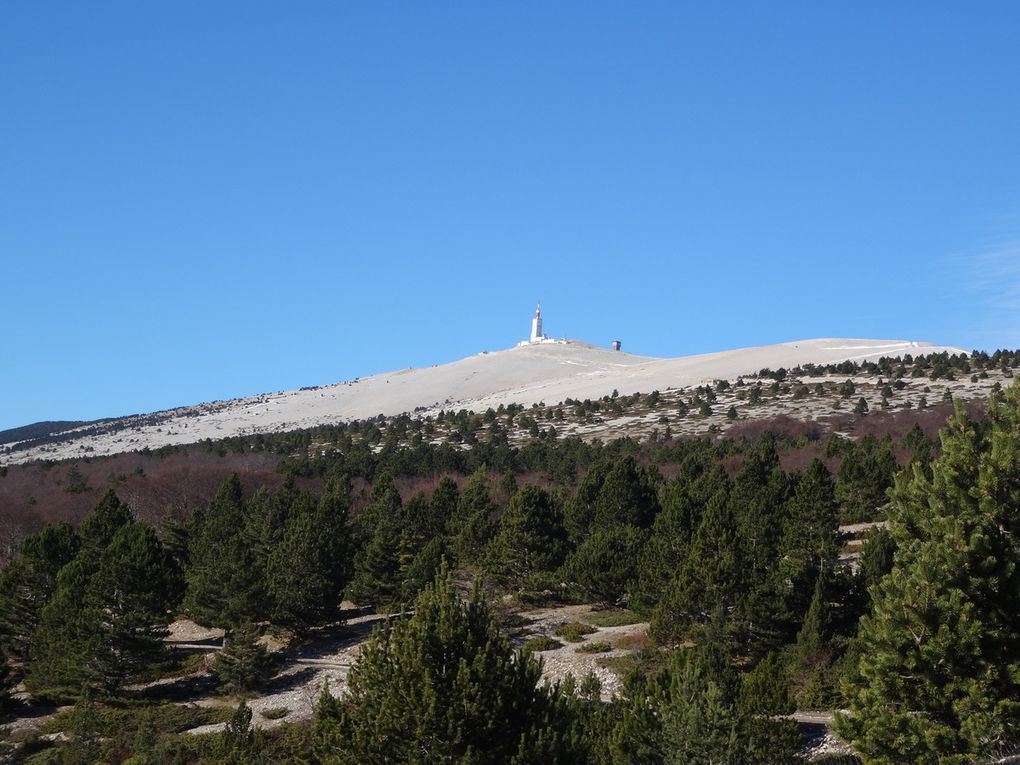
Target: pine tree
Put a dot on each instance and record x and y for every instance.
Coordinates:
(683, 501)
(422, 569)
(378, 574)
(442, 509)
(809, 542)
(27, 583)
(243, 665)
(697, 711)
(442, 686)
(710, 577)
(98, 529)
(308, 568)
(579, 510)
(864, 475)
(531, 538)
(107, 617)
(241, 743)
(475, 523)
(606, 563)
(811, 654)
(225, 576)
(939, 673)
(6, 683)
(626, 496)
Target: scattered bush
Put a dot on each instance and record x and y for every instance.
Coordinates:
(612, 617)
(595, 646)
(541, 643)
(575, 631)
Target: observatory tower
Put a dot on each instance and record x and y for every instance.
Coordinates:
(536, 326)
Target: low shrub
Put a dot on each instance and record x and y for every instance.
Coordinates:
(575, 631)
(612, 617)
(595, 646)
(541, 643)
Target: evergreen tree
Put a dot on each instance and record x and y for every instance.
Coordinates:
(308, 568)
(107, 617)
(442, 509)
(876, 558)
(66, 639)
(939, 673)
(6, 683)
(98, 529)
(864, 475)
(579, 510)
(606, 563)
(698, 712)
(76, 483)
(626, 496)
(809, 543)
(241, 743)
(225, 577)
(243, 665)
(422, 569)
(379, 571)
(710, 578)
(443, 686)
(683, 500)
(758, 500)
(27, 583)
(531, 537)
(811, 655)
(475, 519)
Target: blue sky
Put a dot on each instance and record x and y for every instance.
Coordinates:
(203, 201)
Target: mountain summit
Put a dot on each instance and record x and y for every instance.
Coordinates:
(529, 373)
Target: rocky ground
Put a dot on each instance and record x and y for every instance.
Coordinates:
(327, 658)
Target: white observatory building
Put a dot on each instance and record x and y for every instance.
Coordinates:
(536, 326)
(537, 336)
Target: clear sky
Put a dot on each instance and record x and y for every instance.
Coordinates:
(207, 200)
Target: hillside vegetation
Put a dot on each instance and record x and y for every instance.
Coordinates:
(730, 551)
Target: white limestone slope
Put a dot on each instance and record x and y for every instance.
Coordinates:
(549, 372)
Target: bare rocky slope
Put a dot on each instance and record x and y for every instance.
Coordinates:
(547, 372)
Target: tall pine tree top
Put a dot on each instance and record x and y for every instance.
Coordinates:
(939, 676)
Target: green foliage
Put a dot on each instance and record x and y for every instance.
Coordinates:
(6, 683)
(475, 520)
(105, 520)
(244, 664)
(809, 542)
(108, 613)
(697, 712)
(27, 583)
(241, 743)
(595, 646)
(710, 576)
(225, 580)
(75, 481)
(937, 677)
(531, 538)
(876, 557)
(575, 631)
(378, 577)
(864, 476)
(445, 682)
(308, 568)
(606, 562)
(540, 643)
(613, 617)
